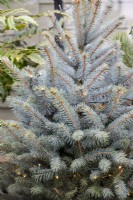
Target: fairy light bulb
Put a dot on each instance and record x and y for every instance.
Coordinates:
(60, 8)
(57, 177)
(95, 177)
(39, 165)
(85, 93)
(43, 89)
(25, 175)
(120, 167)
(30, 75)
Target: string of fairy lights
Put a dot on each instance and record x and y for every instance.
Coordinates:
(57, 177)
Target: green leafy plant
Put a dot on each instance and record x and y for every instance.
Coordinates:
(7, 2)
(14, 47)
(127, 48)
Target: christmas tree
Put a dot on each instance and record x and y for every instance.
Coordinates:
(73, 137)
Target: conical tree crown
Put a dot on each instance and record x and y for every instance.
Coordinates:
(73, 137)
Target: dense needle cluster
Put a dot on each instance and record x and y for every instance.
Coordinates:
(73, 137)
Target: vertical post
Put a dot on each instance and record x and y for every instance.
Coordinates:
(58, 5)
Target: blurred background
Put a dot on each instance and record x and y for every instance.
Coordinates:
(120, 7)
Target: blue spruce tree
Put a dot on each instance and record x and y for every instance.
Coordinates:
(73, 137)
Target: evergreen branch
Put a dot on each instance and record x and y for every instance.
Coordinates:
(63, 131)
(32, 139)
(63, 79)
(35, 114)
(67, 80)
(95, 76)
(57, 191)
(90, 115)
(118, 71)
(59, 31)
(24, 139)
(105, 35)
(11, 131)
(83, 95)
(102, 59)
(93, 19)
(59, 51)
(67, 132)
(130, 75)
(52, 67)
(98, 154)
(121, 121)
(119, 92)
(3, 159)
(73, 49)
(102, 16)
(79, 25)
(101, 92)
(101, 53)
(18, 128)
(67, 112)
(108, 29)
(84, 66)
(80, 147)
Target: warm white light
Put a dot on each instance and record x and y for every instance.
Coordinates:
(57, 177)
(43, 89)
(120, 167)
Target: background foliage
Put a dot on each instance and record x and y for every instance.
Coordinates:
(127, 48)
(23, 25)
(15, 27)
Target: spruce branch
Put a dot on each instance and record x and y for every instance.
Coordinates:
(75, 123)
(59, 51)
(90, 115)
(96, 75)
(52, 68)
(78, 18)
(124, 120)
(8, 128)
(97, 4)
(67, 112)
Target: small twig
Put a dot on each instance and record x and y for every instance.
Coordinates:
(57, 191)
(80, 148)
